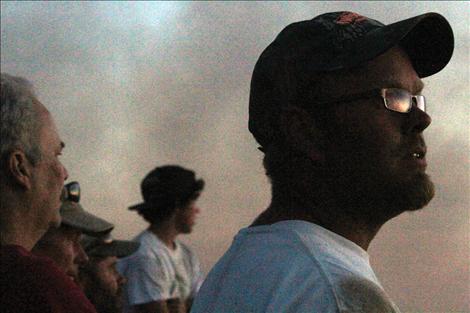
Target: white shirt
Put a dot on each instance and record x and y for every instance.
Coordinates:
(292, 266)
(156, 273)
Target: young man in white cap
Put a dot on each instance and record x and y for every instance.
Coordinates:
(336, 105)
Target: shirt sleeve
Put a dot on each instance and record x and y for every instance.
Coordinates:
(361, 295)
(148, 280)
(197, 277)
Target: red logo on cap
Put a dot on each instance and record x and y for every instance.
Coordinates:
(349, 18)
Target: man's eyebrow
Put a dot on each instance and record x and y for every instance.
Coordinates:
(417, 86)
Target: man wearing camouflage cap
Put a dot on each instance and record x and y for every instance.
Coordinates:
(99, 277)
(164, 274)
(63, 245)
(336, 105)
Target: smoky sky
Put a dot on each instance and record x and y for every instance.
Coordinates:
(137, 85)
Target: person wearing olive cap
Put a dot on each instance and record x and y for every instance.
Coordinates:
(99, 277)
(336, 104)
(63, 245)
(164, 274)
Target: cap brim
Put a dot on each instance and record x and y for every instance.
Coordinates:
(74, 216)
(139, 207)
(199, 185)
(428, 40)
(195, 187)
(117, 248)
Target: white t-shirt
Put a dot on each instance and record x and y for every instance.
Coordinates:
(292, 266)
(156, 272)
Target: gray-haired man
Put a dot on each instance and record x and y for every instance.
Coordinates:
(31, 182)
(63, 244)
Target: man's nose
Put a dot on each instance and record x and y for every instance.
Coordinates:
(418, 121)
(66, 173)
(82, 257)
(121, 280)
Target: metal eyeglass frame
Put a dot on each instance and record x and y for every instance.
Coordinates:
(418, 100)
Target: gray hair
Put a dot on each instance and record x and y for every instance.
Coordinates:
(19, 121)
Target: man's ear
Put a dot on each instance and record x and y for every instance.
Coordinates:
(302, 133)
(20, 168)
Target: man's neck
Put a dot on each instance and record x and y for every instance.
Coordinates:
(15, 230)
(166, 232)
(356, 230)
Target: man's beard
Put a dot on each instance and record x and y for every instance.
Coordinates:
(184, 227)
(376, 194)
(103, 299)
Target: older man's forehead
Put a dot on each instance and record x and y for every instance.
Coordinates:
(40, 107)
(46, 119)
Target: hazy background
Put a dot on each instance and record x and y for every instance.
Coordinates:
(136, 85)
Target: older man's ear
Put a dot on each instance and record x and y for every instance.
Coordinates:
(19, 169)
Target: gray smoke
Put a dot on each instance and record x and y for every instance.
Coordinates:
(136, 85)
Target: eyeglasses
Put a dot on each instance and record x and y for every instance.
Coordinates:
(395, 99)
(71, 192)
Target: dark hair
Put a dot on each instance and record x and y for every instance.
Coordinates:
(166, 188)
(306, 90)
(164, 207)
(19, 121)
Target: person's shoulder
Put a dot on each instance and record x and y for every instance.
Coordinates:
(286, 238)
(279, 275)
(142, 236)
(185, 248)
(356, 294)
(36, 279)
(149, 243)
(47, 274)
(189, 254)
(151, 249)
(58, 289)
(18, 260)
(276, 251)
(14, 254)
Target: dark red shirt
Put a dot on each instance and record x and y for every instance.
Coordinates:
(33, 284)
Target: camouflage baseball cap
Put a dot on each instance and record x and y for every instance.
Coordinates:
(104, 246)
(73, 215)
(336, 41)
